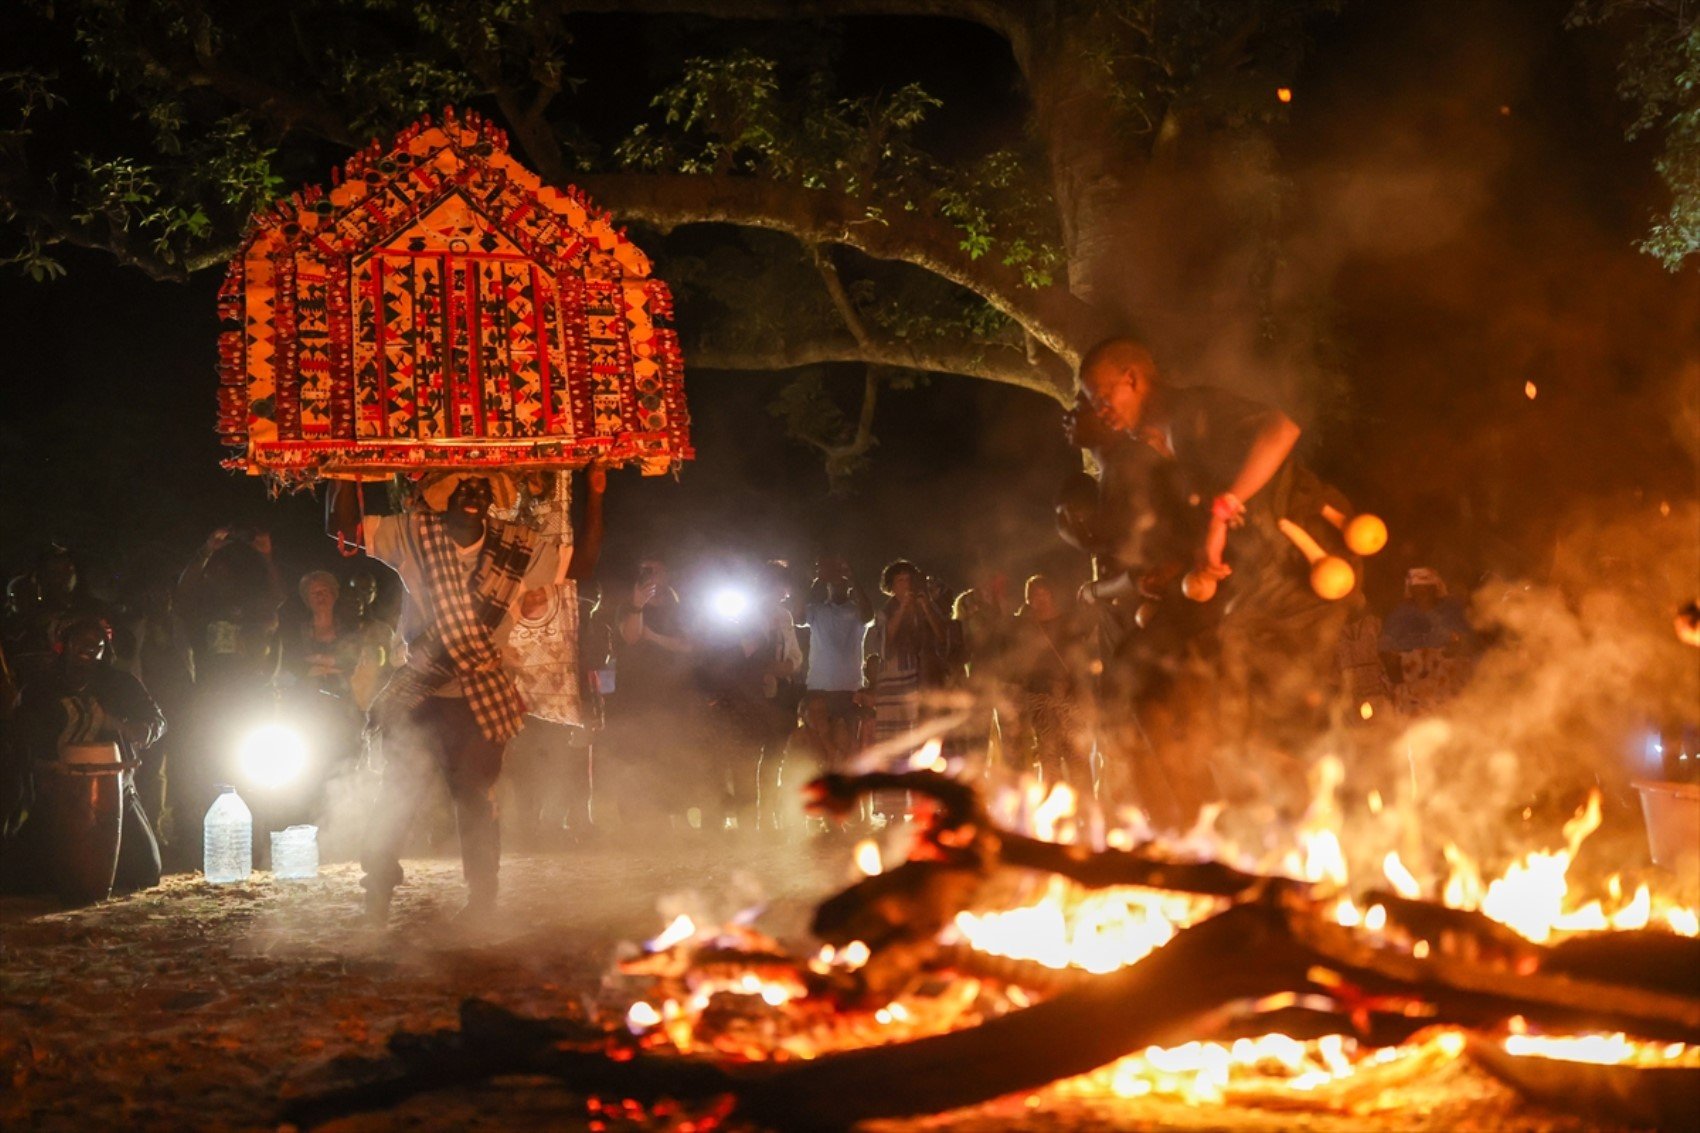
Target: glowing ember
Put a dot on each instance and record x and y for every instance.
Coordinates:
(642, 1017)
(1056, 809)
(1214, 1072)
(1529, 390)
(867, 856)
(681, 930)
(1605, 1050)
(930, 757)
(1098, 932)
(1285, 94)
(1401, 879)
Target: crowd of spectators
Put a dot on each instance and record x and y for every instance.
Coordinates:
(700, 713)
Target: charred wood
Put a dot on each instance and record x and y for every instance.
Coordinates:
(1100, 869)
(1461, 934)
(490, 1042)
(1659, 961)
(1473, 994)
(898, 915)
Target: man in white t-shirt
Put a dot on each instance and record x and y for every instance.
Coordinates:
(837, 615)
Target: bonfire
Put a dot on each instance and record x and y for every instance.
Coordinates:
(1000, 957)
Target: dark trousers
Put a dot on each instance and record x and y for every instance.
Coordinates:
(138, 849)
(649, 762)
(151, 786)
(442, 735)
(735, 734)
(549, 769)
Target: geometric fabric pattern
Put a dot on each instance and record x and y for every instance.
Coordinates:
(437, 307)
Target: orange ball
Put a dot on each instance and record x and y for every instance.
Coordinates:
(1332, 578)
(1366, 534)
(1198, 587)
(1146, 613)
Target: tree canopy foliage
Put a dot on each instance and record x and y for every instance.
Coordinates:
(805, 217)
(1659, 75)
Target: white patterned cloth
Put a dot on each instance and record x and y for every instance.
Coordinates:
(543, 655)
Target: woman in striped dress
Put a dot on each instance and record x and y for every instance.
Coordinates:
(909, 635)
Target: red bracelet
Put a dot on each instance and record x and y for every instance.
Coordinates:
(1228, 508)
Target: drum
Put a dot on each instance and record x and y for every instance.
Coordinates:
(85, 790)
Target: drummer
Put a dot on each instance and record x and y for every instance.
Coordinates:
(80, 699)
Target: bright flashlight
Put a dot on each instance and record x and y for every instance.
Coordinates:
(729, 603)
(272, 755)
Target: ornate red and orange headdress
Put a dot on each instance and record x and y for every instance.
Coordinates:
(440, 307)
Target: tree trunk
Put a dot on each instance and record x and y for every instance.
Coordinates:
(1088, 148)
(1166, 224)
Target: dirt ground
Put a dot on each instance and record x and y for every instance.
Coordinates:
(199, 1007)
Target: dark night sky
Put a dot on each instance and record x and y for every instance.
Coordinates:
(1470, 250)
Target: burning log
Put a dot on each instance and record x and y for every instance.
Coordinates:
(1171, 993)
(678, 962)
(959, 804)
(898, 915)
(1472, 993)
(1661, 1097)
(961, 824)
(1104, 868)
(490, 1042)
(1660, 961)
(1458, 933)
(1656, 961)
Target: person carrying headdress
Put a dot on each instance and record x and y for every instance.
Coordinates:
(453, 705)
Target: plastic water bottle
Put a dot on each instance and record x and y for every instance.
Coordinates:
(295, 853)
(228, 843)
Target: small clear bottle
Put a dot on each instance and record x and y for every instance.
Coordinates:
(295, 853)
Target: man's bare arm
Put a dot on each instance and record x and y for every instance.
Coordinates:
(342, 511)
(1272, 445)
(587, 547)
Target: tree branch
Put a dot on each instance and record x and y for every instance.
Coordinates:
(840, 298)
(52, 222)
(1064, 324)
(1008, 18)
(863, 438)
(524, 115)
(287, 109)
(990, 363)
(197, 65)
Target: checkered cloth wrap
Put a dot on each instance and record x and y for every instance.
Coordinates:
(464, 617)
